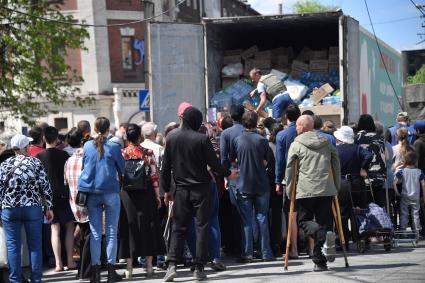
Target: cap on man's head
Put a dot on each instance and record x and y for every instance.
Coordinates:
(20, 141)
(182, 107)
(402, 115)
(420, 125)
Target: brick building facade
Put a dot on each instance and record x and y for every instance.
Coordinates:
(112, 67)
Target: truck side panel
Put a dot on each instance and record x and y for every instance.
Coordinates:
(377, 95)
(176, 69)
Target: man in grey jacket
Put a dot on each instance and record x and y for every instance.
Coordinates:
(317, 182)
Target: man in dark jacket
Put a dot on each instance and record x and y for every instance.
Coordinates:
(187, 155)
(251, 152)
(419, 146)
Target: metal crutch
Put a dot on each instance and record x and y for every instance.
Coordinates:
(291, 213)
(337, 216)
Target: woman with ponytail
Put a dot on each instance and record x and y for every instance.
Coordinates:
(400, 149)
(103, 166)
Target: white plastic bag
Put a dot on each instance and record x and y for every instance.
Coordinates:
(3, 248)
(232, 70)
(296, 90)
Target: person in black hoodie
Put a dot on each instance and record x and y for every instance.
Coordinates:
(54, 160)
(187, 155)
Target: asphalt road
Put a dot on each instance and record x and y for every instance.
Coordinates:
(403, 264)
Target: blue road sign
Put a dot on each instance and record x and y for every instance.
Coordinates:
(144, 100)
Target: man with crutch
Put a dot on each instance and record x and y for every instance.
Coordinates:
(313, 164)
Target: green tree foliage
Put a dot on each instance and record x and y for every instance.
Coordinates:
(418, 78)
(33, 70)
(312, 6)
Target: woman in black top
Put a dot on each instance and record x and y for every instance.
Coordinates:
(374, 143)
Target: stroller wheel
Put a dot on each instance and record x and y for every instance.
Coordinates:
(387, 247)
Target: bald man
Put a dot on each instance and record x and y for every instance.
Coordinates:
(317, 182)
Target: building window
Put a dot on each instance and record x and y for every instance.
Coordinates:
(189, 3)
(61, 124)
(127, 52)
(1, 126)
(195, 4)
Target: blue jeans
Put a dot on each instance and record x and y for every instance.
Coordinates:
(255, 205)
(214, 242)
(95, 204)
(280, 103)
(32, 219)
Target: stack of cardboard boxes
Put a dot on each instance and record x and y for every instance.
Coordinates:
(282, 59)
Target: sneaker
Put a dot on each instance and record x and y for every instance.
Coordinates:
(247, 259)
(320, 267)
(171, 274)
(217, 265)
(199, 273)
(328, 248)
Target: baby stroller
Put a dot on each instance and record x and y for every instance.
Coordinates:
(373, 221)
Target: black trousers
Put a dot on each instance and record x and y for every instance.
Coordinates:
(275, 217)
(189, 202)
(352, 192)
(315, 218)
(84, 270)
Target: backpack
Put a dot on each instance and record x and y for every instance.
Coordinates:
(136, 174)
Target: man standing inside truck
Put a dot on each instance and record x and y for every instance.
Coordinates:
(269, 87)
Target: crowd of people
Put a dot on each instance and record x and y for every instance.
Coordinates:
(201, 190)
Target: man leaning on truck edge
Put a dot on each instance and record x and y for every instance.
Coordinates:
(269, 87)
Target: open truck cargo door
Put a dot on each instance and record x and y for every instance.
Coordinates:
(176, 68)
(349, 69)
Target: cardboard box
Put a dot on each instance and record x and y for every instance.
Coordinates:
(233, 52)
(264, 63)
(280, 51)
(304, 54)
(333, 59)
(281, 61)
(299, 66)
(319, 65)
(232, 59)
(319, 55)
(249, 65)
(250, 52)
(264, 55)
(320, 93)
(333, 50)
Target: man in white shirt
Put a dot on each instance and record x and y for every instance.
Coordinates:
(149, 133)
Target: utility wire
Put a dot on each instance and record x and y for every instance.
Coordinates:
(382, 57)
(90, 25)
(395, 21)
(417, 6)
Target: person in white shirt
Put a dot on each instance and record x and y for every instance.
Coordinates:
(149, 131)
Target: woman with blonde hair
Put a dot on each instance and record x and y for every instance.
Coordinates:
(400, 149)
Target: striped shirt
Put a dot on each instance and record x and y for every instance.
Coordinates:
(71, 174)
